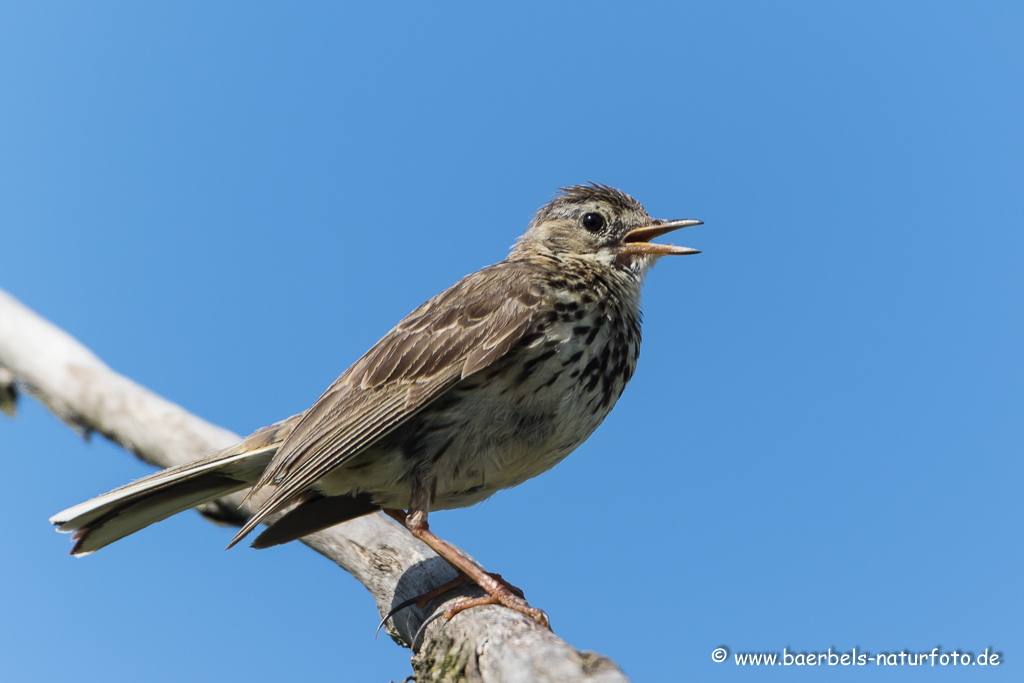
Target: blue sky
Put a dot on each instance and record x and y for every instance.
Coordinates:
(821, 448)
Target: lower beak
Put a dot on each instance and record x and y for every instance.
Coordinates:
(638, 241)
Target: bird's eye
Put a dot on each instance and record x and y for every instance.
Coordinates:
(593, 221)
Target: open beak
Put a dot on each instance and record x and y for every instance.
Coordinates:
(638, 241)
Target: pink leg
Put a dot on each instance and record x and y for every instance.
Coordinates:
(499, 591)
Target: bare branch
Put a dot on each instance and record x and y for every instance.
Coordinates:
(481, 644)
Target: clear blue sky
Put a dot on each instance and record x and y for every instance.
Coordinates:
(229, 202)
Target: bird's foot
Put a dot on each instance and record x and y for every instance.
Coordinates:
(505, 597)
(504, 594)
(499, 591)
(424, 599)
(461, 580)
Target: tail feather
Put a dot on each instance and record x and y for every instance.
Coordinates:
(91, 510)
(101, 521)
(314, 512)
(114, 515)
(141, 511)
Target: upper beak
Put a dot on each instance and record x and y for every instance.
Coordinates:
(638, 241)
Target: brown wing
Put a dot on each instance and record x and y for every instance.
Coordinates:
(458, 332)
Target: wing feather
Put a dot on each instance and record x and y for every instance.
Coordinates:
(460, 331)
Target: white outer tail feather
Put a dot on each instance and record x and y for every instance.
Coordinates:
(123, 511)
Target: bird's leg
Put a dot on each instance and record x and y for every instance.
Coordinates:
(461, 579)
(498, 590)
(424, 599)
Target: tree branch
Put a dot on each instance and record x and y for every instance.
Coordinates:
(481, 644)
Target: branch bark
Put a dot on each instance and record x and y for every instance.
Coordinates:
(481, 644)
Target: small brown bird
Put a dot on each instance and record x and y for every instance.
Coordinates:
(488, 384)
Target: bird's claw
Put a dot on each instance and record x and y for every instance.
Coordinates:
(422, 628)
(508, 595)
(395, 610)
(505, 598)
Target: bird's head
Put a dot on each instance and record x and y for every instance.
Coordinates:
(601, 223)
